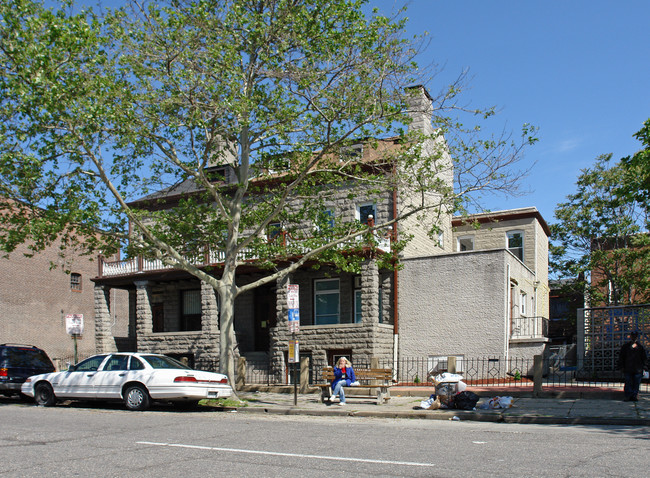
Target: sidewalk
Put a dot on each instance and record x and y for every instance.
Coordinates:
(592, 407)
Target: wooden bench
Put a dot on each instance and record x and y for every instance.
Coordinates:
(373, 384)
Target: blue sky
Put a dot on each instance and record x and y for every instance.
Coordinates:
(577, 69)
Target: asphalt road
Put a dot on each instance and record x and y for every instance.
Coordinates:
(108, 441)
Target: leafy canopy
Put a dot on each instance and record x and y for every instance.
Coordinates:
(602, 236)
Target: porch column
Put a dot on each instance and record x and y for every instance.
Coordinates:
(104, 341)
(209, 309)
(370, 292)
(279, 334)
(143, 315)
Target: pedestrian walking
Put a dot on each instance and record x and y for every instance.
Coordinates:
(633, 360)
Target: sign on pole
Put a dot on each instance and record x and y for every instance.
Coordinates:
(294, 308)
(74, 324)
(294, 351)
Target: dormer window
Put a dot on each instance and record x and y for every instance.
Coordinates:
(348, 153)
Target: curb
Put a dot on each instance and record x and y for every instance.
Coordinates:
(444, 415)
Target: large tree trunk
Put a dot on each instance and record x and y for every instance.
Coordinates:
(227, 341)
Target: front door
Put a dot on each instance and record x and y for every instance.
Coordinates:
(265, 317)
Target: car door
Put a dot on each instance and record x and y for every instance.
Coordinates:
(108, 381)
(79, 381)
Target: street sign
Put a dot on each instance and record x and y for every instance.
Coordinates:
(294, 307)
(74, 324)
(294, 351)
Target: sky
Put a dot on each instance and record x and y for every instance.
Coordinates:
(578, 70)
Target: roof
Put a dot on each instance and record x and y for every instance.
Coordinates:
(503, 215)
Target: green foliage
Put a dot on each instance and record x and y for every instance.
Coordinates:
(601, 237)
(172, 129)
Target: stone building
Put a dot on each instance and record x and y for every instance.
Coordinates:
(468, 291)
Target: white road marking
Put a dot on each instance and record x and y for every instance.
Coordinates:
(294, 455)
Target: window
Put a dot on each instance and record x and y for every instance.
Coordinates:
(326, 301)
(516, 244)
(364, 211)
(75, 281)
(348, 153)
(117, 362)
(325, 221)
(465, 243)
(523, 299)
(191, 309)
(357, 306)
(273, 231)
(91, 364)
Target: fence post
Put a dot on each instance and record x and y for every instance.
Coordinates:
(304, 374)
(241, 373)
(451, 364)
(538, 367)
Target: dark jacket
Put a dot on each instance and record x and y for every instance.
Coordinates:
(632, 359)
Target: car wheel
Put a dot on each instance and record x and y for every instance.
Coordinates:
(136, 398)
(44, 395)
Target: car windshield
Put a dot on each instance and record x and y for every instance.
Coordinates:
(162, 361)
(24, 357)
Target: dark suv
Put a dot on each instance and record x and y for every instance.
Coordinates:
(17, 362)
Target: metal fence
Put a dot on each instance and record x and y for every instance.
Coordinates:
(557, 372)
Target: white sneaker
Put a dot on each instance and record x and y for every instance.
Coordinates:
(341, 404)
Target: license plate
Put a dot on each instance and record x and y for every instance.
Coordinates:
(213, 394)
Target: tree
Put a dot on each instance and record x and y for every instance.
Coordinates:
(105, 117)
(601, 238)
(636, 183)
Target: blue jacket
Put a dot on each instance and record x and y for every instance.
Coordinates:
(349, 376)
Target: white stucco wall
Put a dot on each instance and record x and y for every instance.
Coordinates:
(454, 304)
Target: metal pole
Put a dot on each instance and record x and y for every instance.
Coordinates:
(74, 338)
(295, 374)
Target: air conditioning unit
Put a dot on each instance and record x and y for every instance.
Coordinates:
(357, 282)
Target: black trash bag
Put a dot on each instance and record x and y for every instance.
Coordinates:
(465, 400)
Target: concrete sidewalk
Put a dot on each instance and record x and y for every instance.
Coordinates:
(595, 407)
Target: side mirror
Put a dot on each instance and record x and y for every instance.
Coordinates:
(70, 366)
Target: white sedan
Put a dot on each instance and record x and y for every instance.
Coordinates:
(136, 378)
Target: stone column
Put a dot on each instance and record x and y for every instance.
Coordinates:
(209, 309)
(370, 292)
(279, 334)
(143, 315)
(104, 341)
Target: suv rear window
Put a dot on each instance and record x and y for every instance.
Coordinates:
(27, 357)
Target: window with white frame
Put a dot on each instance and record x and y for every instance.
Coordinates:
(465, 243)
(515, 240)
(327, 299)
(523, 303)
(364, 211)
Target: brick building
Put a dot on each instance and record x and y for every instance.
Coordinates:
(35, 299)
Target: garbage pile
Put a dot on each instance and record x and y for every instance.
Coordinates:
(452, 393)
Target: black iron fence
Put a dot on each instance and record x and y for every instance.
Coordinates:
(478, 372)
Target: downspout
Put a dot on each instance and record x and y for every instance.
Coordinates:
(395, 289)
(506, 343)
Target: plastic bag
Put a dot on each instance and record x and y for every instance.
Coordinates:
(447, 377)
(465, 400)
(497, 402)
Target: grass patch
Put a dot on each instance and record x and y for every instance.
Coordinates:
(224, 402)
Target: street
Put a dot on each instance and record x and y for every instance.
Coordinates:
(108, 441)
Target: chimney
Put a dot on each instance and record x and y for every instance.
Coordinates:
(420, 109)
